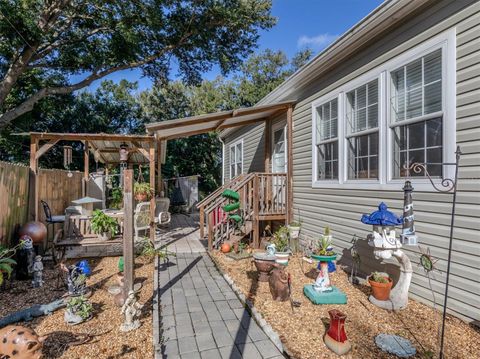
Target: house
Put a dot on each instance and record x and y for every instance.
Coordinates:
(401, 86)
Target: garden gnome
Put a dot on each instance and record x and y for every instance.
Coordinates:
(131, 310)
(25, 258)
(37, 272)
(20, 343)
(75, 280)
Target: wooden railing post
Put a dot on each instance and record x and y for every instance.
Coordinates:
(128, 246)
(256, 229)
(202, 221)
(210, 231)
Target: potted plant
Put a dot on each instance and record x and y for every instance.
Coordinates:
(324, 250)
(143, 192)
(116, 199)
(104, 226)
(79, 310)
(281, 242)
(294, 228)
(381, 285)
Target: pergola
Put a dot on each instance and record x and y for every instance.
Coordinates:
(106, 149)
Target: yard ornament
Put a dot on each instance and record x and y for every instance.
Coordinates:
(385, 245)
(37, 272)
(336, 339)
(20, 343)
(131, 310)
(408, 236)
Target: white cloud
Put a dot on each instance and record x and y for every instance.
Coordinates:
(318, 42)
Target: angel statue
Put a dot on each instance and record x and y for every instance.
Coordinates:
(131, 310)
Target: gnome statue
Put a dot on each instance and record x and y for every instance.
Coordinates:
(37, 272)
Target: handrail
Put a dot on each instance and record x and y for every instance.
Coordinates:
(218, 191)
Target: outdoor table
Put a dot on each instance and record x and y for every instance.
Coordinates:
(87, 204)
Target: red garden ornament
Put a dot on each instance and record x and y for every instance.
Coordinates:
(336, 339)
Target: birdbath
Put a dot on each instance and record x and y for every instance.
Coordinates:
(87, 204)
(386, 245)
(264, 263)
(322, 292)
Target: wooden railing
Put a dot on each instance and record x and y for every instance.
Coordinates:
(263, 196)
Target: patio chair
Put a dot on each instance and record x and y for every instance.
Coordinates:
(51, 220)
(141, 219)
(162, 216)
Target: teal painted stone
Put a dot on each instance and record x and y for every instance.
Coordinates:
(336, 296)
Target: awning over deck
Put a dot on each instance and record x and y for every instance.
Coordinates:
(188, 126)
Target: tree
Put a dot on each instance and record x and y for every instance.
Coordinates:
(52, 40)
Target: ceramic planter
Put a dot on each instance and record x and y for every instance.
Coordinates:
(381, 291)
(294, 231)
(74, 319)
(105, 236)
(336, 338)
(282, 258)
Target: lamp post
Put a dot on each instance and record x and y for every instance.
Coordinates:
(447, 185)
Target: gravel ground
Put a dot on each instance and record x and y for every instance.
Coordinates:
(107, 340)
(302, 331)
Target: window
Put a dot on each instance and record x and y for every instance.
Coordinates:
(236, 159)
(416, 116)
(368, 131)
(362, 126)
(327, 140)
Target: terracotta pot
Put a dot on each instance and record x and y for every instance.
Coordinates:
(381, 291)
(141, 197)
(225, 248)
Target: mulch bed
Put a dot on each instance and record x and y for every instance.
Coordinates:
(302, 331)
(107, 341)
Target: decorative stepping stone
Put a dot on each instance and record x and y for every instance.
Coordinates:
(395, 345)
(336, 296)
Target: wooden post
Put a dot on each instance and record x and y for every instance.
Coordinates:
(268, 145)
(210, 231)
(128, 237)
(159, 168)
(85, 167)
(202, 222)
(289, 164)
(256, 224)
(34, 174)
(152, 186)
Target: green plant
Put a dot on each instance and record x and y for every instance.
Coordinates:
(143, 188)
(242, 246)
(326, 231)
(379, 278)
(101, 223)
(149, 251)
(116, 198)
(6, 262)
(323, 245)
(295, 224)
(281, 239)
(80, 306)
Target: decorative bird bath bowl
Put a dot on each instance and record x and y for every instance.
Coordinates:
(321, 292)
(264, 263)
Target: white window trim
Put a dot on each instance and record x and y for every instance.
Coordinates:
(234, 144)
(276, 127)
(447, 42)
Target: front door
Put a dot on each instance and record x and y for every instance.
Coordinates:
(279, 148)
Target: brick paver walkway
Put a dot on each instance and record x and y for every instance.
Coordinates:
(200, 315)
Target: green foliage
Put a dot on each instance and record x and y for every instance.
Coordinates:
(116, 200)
(6, 262)
(323, 245)
(326, 231)
(56, 42)
(149, 251)
(281, 239)
(80, 306)
(101, 223)
(143, 188)
(295, 224)
(379, 278)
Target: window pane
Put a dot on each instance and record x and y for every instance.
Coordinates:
(433, 97)
(239, 168)
(373, 167)
(373, 144)
(327, 121)
(434, 155)
(362, 143)
(416, 135)
(232, 170)
(398, 94)
(327, 161)
(414, 103)
(434, 132)
(400, 136)
(238, 154)
(373, 92)
(362, 97)
(360, 152)
(372, 116)
(433, 67)
(232, 154)
(414, 75)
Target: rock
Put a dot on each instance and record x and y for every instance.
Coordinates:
(395, 345)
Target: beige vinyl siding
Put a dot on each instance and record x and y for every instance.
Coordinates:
(253, 148)
(341, 209)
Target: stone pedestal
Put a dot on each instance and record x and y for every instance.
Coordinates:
(335, 296)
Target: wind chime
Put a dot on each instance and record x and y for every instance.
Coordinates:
(123, 153)
(67, 159)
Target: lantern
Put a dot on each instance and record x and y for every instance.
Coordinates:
(67, 156)
(123, 152)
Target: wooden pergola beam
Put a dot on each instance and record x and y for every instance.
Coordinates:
(45, 148)
(95, 149)
(91, 137)
(140, 149)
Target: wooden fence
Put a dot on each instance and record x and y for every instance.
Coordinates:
(17, 200)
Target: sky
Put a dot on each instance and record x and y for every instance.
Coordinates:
(300, 24)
